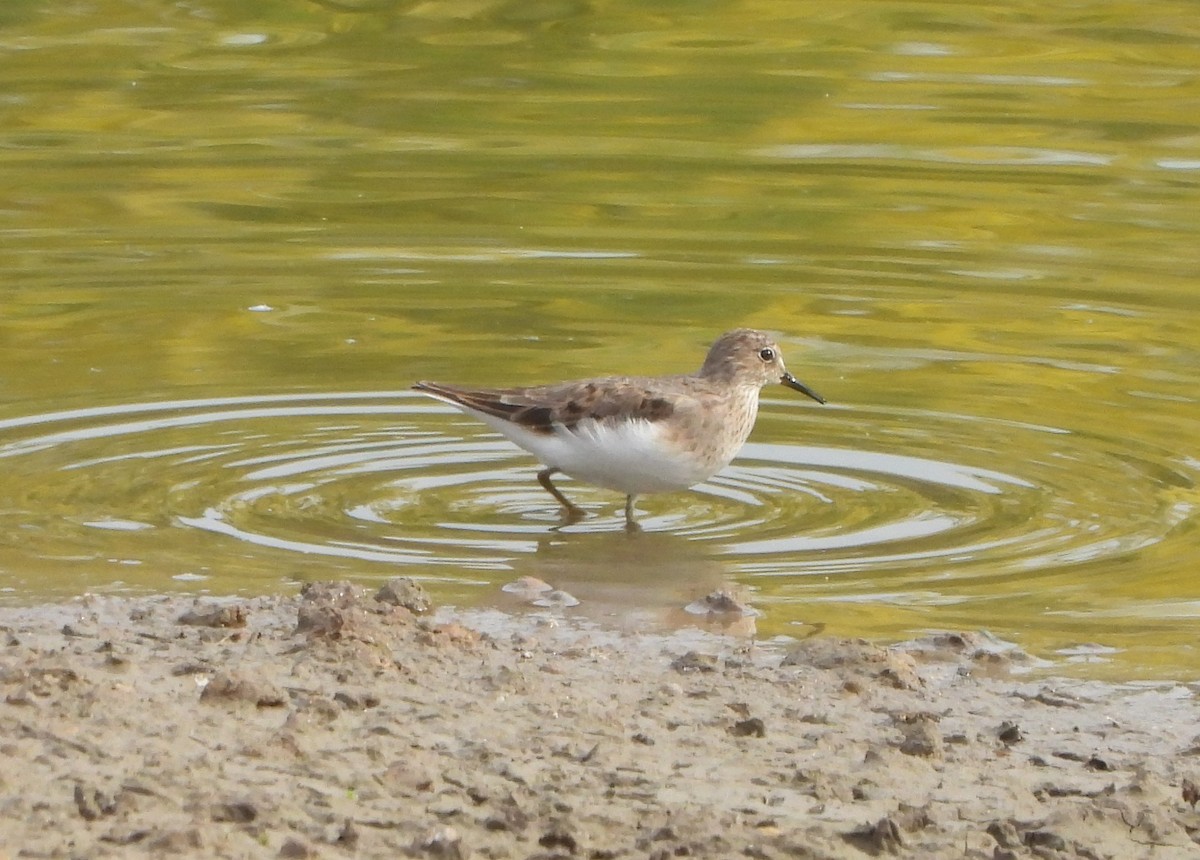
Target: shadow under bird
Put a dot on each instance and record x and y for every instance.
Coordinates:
(635, 434)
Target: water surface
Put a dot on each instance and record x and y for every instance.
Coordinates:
(232, 236)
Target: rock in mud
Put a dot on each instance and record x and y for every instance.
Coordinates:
(235, 686)
(920, 736)
(214, 616)
(407, 592)
(694, 661)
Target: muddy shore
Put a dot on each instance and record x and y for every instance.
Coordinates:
(338, 724)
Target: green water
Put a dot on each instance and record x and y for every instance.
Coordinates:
(232, 234)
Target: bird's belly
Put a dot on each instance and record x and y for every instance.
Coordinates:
(632, 457)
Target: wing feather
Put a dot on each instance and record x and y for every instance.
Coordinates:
(540, 409)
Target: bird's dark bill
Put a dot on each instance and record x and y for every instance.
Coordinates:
(794, 383)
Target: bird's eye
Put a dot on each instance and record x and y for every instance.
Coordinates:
(766, 354)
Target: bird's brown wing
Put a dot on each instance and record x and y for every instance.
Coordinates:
(567, 404)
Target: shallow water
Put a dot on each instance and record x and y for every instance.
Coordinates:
(231, 241)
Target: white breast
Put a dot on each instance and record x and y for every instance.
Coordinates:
(631, 456)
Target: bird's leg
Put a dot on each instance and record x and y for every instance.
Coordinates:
(631, 524)
(571, 511)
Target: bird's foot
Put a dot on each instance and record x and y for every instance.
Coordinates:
(572, 514)
(631, 523)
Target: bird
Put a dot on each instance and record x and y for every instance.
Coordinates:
(635, 434)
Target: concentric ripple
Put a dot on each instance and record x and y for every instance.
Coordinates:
(887, 511)
(235, 491)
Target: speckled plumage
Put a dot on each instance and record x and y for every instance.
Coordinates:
(636, 434)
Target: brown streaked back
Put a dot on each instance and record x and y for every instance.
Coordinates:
(541, 408)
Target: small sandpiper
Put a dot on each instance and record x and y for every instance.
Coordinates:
(636, 434)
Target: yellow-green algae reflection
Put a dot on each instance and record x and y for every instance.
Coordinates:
(233, 233)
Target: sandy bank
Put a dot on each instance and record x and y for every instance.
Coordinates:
(334, 724)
